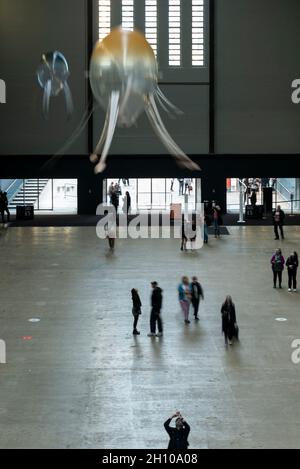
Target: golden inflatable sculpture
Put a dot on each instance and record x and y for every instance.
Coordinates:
(124, 81)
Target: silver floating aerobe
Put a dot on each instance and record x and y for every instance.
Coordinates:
(53, 73)
(124, 81)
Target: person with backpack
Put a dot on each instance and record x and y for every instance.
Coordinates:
(277, 262)
(292, 266)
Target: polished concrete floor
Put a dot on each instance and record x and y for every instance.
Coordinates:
(78, 379)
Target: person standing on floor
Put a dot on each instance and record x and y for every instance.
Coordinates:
(217, 217)
(292, 265)
(277, 263)
(197, 295)
(185, 296)
(181, 186)
(178, 435)
(156, 304)
(126, 203)
(4, 206)
(229, 324)
(136, 309)
(278, 222)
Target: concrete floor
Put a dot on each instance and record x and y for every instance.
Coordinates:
(83, 381)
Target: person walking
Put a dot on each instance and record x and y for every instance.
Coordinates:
(292, 264)
(185, 296)
(136, 309)
(229, 324)
(4, 206)
(197, 295)
(155, 318)
(178, 434)
(277, 262)
(278, 222)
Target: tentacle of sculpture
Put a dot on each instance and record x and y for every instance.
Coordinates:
(113, 114)
(126, 96)
(79, 129)
(167, 103)
(69, 99)
(94, 158)
(46, 99)
(161, 131)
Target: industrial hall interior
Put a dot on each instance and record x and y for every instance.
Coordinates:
(149, 224)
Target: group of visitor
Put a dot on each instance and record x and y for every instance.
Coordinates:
(278, 264)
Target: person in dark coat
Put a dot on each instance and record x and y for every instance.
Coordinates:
(115, 200)
(292, 265)
(4, 206)
(127, 203)
(155, 318)
(197, 295)
(136, 309)
(278, 222)
(229, 324)
(277, 262)
(179, 434)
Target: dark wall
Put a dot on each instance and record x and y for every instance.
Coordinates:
(257, 58)
(29, 28)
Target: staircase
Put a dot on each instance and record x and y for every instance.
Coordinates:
(29, 192)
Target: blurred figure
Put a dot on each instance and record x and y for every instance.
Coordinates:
(127, 203)
(229, 324)
(4, 206)
(136, 309)
(277, 263)
(155, 318)
(207, 223)
(115, 200)
(178, 435)
(185, 297)
(197, 295)
(278, 222)
(292, 265)
(217, 217)
(181, 186)
(111, 190)
(111, 230)
(172, 185)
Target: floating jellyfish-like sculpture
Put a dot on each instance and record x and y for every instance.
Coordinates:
(53, 73)
(124, 81)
